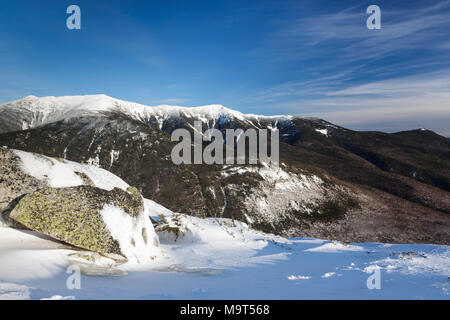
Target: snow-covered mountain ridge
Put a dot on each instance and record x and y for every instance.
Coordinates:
(33, 111)
(332, 182)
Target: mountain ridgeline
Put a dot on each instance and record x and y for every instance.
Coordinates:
(332, 182)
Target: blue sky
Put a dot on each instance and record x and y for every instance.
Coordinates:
(313, 58)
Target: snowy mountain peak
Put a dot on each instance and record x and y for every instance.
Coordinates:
(32, 111)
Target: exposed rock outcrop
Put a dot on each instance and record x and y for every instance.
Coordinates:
(73, 215)
(80, 205)
(14, 182)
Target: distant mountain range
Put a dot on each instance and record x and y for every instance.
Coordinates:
(332, 182)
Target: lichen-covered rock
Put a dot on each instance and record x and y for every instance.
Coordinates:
(14, 182)
(73, 214)
(5, 220)
(86, 180)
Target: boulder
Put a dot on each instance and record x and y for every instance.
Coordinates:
(14, 182)
(74, 215)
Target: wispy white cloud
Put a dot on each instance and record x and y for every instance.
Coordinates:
(318, 85)
(410, 28)
(368, 78)
(421, 100)
(175, 101)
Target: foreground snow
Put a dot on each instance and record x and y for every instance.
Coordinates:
(207, 258)
(217, 259)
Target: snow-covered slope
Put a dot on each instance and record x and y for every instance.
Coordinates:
(233, 263)
(59, 173)
(210, 258)
(32, 111)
